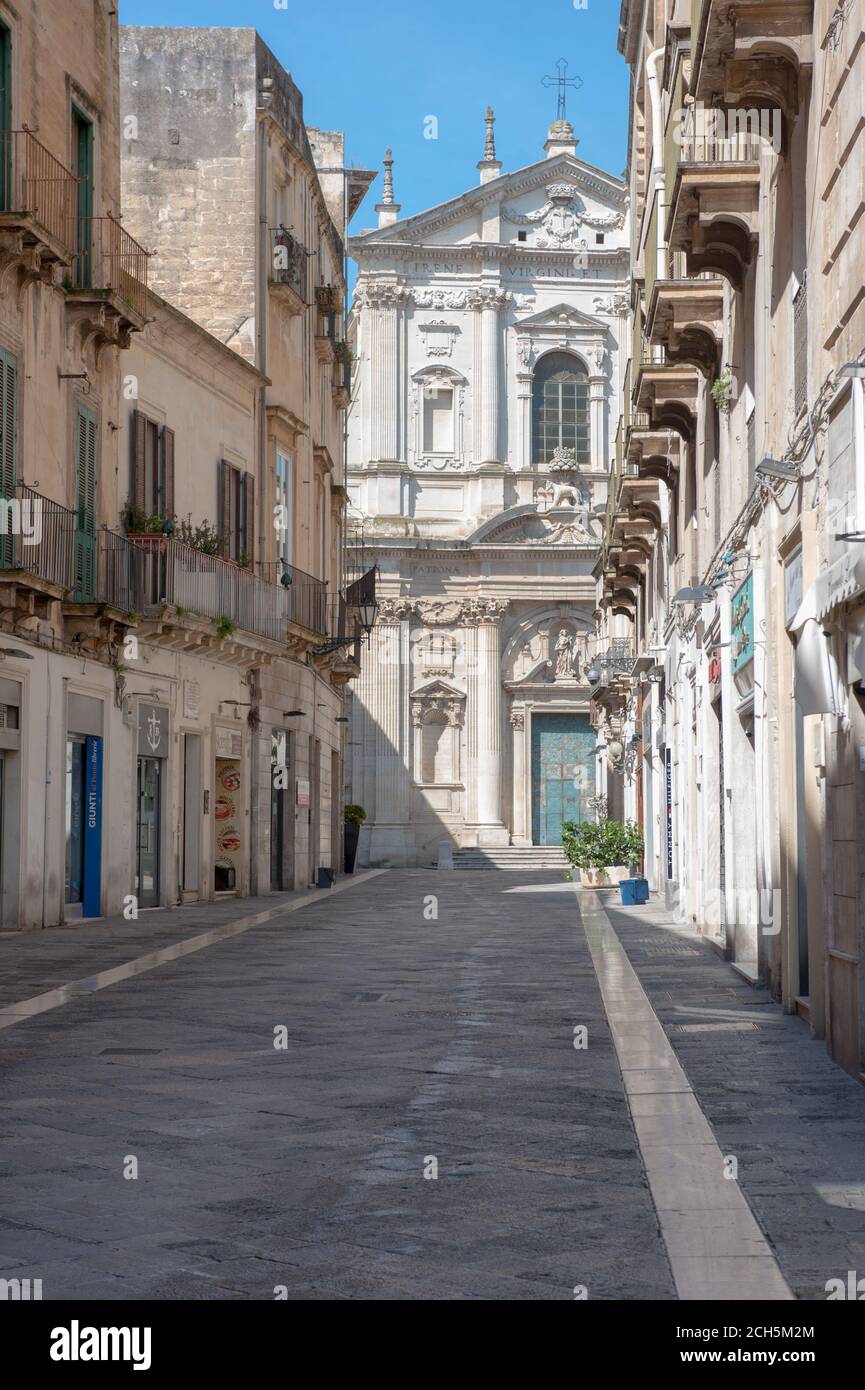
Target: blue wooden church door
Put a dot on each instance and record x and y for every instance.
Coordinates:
(563, 773)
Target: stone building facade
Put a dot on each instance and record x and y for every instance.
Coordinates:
(221, 175)
(488, 338)
(175, 636)
(732, 563)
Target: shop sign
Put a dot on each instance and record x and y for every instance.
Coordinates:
(668, 770)
(792, 586)
(742, 636)
(302, 791)
(152, 731)
(228, 743)
(92, 887)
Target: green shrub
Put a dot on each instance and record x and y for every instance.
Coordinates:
(591, 846)
(354, 814)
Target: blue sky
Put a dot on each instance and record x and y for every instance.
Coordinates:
(378, 68)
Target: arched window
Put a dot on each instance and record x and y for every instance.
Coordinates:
(560, 408)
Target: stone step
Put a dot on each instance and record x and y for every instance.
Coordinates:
(515, 857)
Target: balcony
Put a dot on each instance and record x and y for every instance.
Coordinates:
(38, 200)
(184, 593)
(685, 317)
(107, 288)
(653, 453)
(59, 579)
(329, 323)
(288, 276)
(751, 52)
(341, 382)
(714, 193)
(667, 393)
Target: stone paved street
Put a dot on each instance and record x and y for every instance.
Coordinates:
(408, 1040)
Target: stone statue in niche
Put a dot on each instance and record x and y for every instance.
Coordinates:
(564, 655)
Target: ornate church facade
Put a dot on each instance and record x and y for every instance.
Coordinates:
(487, 335)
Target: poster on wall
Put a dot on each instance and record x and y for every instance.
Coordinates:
(227, 824)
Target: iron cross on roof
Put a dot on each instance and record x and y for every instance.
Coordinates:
(563, 82)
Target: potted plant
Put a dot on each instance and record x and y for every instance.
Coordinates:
(635, 888)
(354, 819)
(603, 851)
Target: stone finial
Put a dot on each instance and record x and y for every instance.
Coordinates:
(490, 145)
(561, 139)
(489, 166)
(388, 210)
(388, 177)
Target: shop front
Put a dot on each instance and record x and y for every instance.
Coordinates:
(228, 811)
(151, 785)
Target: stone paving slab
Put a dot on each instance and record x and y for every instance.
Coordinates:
(34, 961)
(776, 1101)
(407, 1040)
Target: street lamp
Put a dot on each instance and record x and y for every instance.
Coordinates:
(368, 612)
(700, 593)
(777, 468)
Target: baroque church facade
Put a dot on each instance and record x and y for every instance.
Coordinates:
(487, 336)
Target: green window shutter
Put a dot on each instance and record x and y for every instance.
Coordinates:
(85, 505)
(8, 447)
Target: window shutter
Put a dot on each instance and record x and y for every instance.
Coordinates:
(139, 435)
(85, 506)
(168, 471)
(223, 483)
(8, 448)
(248, 544)
(8, 424)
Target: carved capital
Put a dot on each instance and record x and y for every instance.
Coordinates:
(394, 610)
(480, 611)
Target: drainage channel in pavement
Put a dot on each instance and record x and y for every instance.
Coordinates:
(714, 1244)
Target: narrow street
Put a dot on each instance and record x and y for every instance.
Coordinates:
(286, 1093)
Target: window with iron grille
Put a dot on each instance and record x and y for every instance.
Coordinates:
(800, 346)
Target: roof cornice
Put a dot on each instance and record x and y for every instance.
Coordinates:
(584, 176)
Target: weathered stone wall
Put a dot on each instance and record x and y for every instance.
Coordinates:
(189, 131)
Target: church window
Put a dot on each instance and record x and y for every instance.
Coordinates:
(560, 408)
(438, 421)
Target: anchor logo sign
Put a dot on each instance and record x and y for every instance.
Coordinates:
(154, 731)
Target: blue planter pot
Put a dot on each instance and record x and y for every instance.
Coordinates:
(634, 891)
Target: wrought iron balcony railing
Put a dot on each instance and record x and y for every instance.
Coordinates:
(207, 586)
(37, 537)
(35, 185)
(288, 262)
(109, 259)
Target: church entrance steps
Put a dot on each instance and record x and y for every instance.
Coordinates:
(525, 858)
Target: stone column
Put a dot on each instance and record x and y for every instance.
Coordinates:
(470, 813)
(597, 440)
(521, 835)
(383, 302)
(389, 836)
(490, 301)
(485, 721)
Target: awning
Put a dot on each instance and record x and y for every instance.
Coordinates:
(816, 686)
(841, 582)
